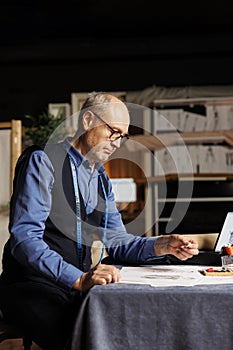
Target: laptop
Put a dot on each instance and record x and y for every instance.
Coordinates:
(211, 257)
(226, 235)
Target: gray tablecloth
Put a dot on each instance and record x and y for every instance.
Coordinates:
(133, 317)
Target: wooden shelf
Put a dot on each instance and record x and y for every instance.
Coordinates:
(214, 137)
(157, 142)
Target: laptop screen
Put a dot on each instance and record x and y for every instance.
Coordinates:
(226, 235)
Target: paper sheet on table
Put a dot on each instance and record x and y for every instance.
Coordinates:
(170, 275)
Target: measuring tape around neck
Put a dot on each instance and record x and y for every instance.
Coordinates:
(78, 214)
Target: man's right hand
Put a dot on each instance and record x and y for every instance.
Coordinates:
(102, 274)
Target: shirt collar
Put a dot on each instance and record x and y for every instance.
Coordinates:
(79, 158)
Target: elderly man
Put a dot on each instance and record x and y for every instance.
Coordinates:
(62, 199)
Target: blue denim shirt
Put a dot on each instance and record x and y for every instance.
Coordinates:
(31, 207)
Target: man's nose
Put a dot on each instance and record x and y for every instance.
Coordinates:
(117, 143)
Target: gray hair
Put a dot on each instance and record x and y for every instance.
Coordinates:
(98, 102)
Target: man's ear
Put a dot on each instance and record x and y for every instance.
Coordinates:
(88, 121)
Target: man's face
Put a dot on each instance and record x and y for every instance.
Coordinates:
(99, 142)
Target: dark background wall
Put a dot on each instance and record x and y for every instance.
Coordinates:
(50, 49)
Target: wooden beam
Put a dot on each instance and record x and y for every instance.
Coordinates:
(16, 145)
(5, 125)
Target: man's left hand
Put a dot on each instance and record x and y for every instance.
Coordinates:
(178, 245)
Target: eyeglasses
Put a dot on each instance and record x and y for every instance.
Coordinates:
(115, 134)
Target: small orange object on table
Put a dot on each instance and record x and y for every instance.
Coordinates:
(229, 250)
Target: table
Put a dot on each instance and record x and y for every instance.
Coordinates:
(142, 317)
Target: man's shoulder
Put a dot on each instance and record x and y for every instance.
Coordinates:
(49, 149)
(48, 152)
(27, 152)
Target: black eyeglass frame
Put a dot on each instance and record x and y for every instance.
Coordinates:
(123, 138)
